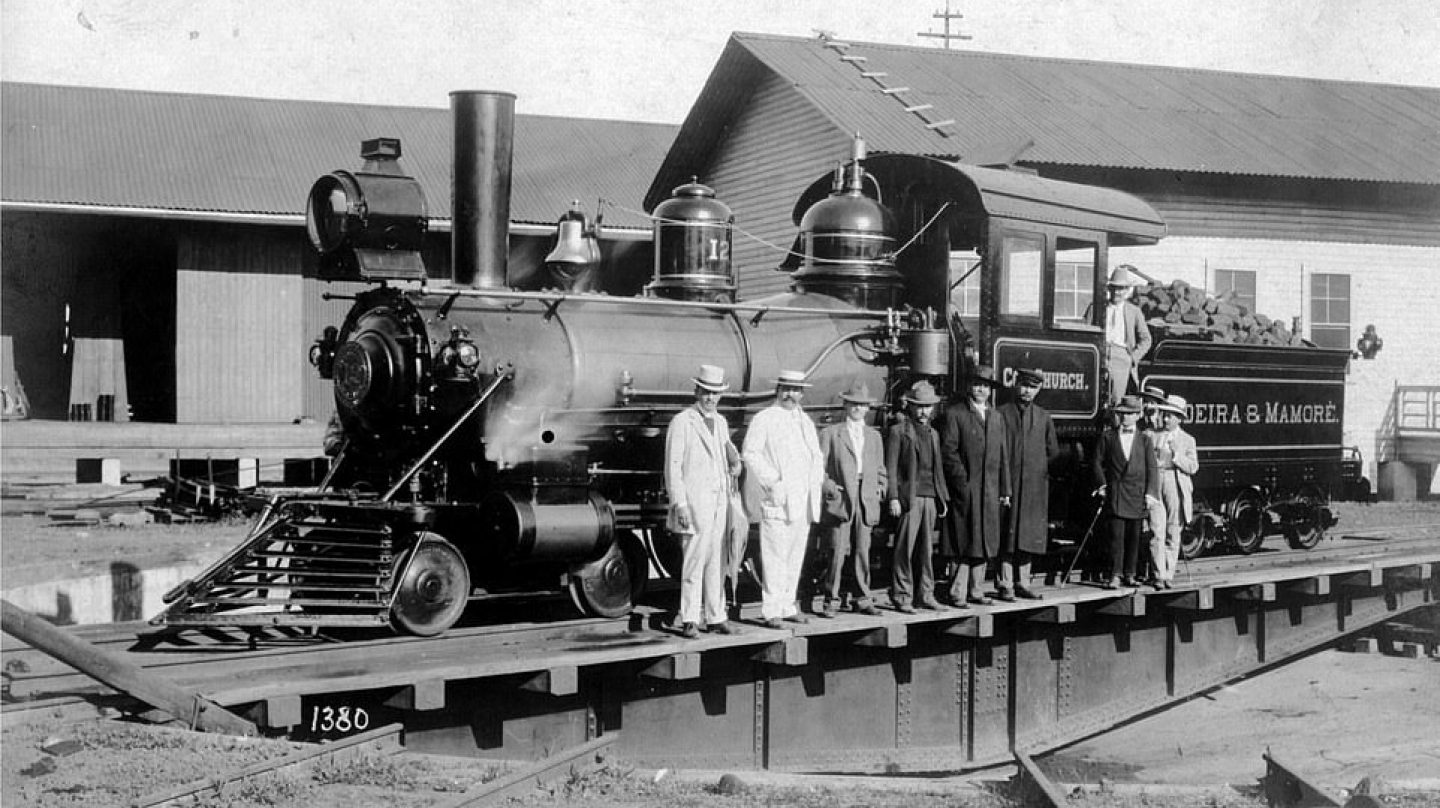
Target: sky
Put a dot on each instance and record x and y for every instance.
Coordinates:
(647, 61)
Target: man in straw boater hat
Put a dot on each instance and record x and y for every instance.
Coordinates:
(700, 461)
(1123, 466)
(1034, 446)
(854, 471)
(915, 488)
(1176, 458)
(782, 456)
(1127, 337)
(975, 454)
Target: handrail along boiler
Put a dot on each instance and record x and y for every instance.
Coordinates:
(501, 441)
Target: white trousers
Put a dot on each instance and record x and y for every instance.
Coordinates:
(782, 553)
(1165, 528)
(702, 581)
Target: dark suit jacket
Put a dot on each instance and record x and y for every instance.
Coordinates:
(1033, 447)
(901, 460)
(976, 458)
(840, 468)
(1127, 482)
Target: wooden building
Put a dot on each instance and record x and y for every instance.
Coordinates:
(155, 262)
(1316, 201)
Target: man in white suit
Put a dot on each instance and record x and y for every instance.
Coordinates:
(697, 480)
(784, 471)
(1177, 459)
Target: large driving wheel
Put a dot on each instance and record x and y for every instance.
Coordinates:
(1247, 521)
(1308, 528)
(610, 585)
(433, 589)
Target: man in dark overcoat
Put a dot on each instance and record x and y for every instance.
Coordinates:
(974, 454)
(1033, 448)
(1128, 479)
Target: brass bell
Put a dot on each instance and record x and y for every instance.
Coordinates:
(575, 241)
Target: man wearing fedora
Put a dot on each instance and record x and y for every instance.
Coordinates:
(1034, 446)
(854, 472)
(1123, 465)
(915, 488)
(1176, 458)
(1127, 337)
(975, 455)
(699, 464)
(785, 469)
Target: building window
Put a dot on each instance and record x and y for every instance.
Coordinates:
(1074, 280)
(965, 283)
(1241, 282)
(1022, 263)
(1330, 310)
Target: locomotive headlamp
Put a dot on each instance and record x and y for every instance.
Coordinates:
(322, 352)
(369, 224)
(459, 354)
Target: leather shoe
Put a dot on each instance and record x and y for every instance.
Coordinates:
(868, 610)
(827, 612)
(1130, 580)
(773, 622)
(904, 608)
(1005, 595)
(724, 628)
(1027, 593)
(932, 605)
(1111, 583)
(690, 631)
(797, 618)
(980, 600)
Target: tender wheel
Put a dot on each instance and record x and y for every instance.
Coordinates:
(1306, 531)
(434, 589)
(1247, 522)
(610, 585)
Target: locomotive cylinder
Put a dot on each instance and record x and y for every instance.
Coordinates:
(527, 530)
(692, 246)
(484, 146)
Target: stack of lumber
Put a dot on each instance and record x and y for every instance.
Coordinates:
(1179, 310)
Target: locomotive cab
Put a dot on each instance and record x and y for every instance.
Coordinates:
(1013, 266)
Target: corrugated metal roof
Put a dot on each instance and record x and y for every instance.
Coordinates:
(122, 148)
(1091, 113)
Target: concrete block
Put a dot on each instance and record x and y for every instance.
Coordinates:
(104, 470)
(1409, 650)
(1363, 645)
(1397, 481)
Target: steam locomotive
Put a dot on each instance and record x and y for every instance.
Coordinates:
(499, 441)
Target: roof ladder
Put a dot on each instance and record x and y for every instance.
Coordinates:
(919, 110)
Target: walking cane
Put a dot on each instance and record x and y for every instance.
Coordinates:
(1065, 579)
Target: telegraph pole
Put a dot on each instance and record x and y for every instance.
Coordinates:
(947, 15)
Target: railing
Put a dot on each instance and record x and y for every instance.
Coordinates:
(1417, 409)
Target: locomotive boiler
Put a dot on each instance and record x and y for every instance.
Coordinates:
(497, 441)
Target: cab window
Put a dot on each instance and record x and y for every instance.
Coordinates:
(1074, 280)
(1022, 269)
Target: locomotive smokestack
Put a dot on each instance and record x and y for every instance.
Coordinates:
(480, 204)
